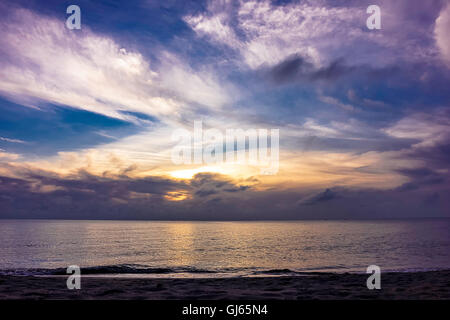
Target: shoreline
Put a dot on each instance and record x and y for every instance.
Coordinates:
(427, 285)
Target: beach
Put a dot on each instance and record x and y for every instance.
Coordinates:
(430, 285)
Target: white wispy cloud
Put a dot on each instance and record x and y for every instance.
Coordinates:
(441, 32)
(271, 33)
(265, 33)
(336, 102)
(11, 140)
(43, 61)
(429, 129)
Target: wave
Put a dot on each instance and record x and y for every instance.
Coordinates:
(136, 269)
(303, 271)
(105, 270)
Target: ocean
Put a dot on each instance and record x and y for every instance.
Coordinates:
(221, 249)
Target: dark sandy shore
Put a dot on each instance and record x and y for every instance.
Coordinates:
(421, 285)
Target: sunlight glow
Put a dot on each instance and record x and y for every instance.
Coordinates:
(189, 173)
(177, 195)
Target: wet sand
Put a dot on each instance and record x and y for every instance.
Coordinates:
(324, 286)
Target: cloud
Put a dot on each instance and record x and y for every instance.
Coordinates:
(44, 62)
(353, 96)
(39, 194)
(336, 102)
(429, 155)
(297, 68)
(265, 33)
(8, 156)
(441, 32)
(12, 140)
(288, 69)
(207, 184)
(421, 177)
(326, 195)
(431, 129)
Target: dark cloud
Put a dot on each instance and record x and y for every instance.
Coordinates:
(417, 172)
(206, 184)
(289, 69)
(298, 68)
(84, 196)
(436, 156)
(326, 195)
(333, 71)
(204, 193)
(211, 197)
(420, 177)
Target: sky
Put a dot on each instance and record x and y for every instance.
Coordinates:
(87, 116)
